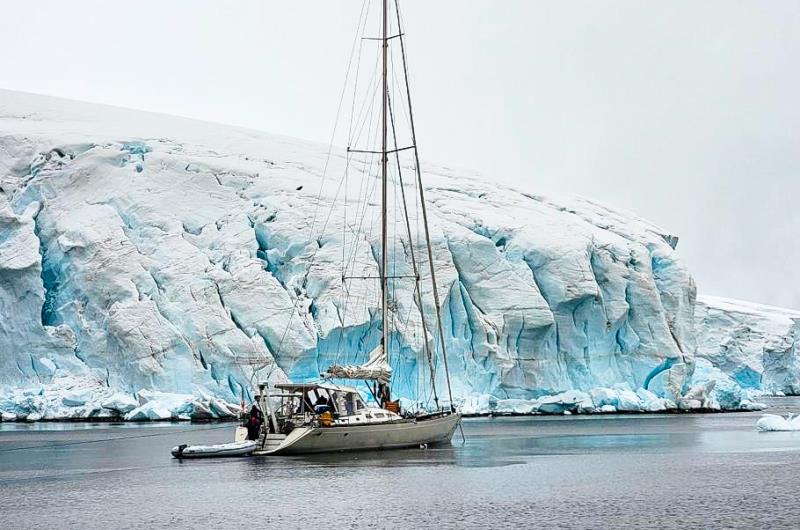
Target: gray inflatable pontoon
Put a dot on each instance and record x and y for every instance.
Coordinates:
(244, 448)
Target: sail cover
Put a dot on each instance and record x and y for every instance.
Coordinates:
(376, 368)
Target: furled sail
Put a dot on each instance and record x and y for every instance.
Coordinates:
(376, 368)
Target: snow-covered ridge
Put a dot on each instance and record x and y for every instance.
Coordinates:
(143, 254)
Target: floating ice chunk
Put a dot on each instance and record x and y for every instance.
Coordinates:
(606, 409)
(773, 422)
(8, 416)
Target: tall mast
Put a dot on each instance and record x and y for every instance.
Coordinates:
(384, 186)
(424, 210)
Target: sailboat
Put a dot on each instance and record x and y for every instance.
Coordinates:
(330, 415)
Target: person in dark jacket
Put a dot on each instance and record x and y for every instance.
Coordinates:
(254, 423)
(322, 405)
(384, 396)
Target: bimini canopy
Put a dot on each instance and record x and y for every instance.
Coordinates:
(305, 387)
(376, 368)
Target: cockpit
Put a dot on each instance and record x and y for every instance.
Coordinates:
(303, 399)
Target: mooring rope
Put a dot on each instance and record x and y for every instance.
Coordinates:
(99, 440)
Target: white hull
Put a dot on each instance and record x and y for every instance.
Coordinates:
(389, 435)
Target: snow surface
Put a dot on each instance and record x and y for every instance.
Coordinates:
(147, 262)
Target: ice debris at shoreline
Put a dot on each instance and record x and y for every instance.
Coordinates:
(620, 398)
(73, 398)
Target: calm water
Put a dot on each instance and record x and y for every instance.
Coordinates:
(637, 471)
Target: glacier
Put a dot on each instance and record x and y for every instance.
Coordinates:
(747, 348)
(149, 263)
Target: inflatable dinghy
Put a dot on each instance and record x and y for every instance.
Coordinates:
(243, 448)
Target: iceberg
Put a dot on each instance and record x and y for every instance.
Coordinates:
(153, 267)
(773, 422)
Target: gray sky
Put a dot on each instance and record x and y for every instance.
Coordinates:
(685, 112)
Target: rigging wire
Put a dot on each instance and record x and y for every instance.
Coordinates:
(336, 120)
(417, 295)
(322, 183)
(359, 33)
(358, 69)
(424, 212)
(365, 193)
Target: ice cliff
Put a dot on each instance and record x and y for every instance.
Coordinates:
(148, 262)
(756, 347)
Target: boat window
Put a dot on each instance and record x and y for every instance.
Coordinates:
(359, 402)
(308, 401)
(349, 404)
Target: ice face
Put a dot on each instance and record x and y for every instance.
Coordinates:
(144, 253)
(756, 346)
(32, 348)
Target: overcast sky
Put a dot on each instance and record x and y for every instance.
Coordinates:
(685, 112)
